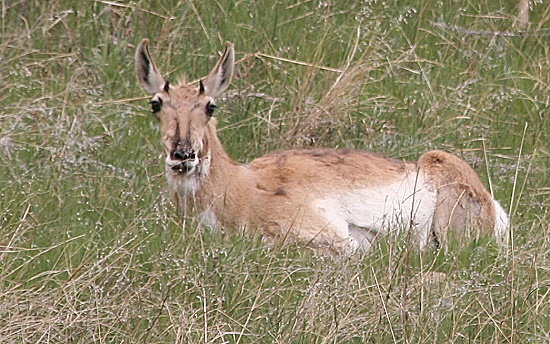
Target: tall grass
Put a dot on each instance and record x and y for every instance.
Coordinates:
(92, 249)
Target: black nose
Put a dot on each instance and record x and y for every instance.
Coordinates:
(183, 155)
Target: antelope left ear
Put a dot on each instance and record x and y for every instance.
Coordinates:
(220, 77)
(201, 87)
(147, 73)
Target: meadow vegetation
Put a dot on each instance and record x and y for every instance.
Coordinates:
(93, 251)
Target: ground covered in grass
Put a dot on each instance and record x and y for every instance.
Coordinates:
(93, 251)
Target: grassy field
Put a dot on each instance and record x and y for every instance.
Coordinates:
(93, 251)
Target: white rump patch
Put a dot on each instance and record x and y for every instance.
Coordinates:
(502, 225)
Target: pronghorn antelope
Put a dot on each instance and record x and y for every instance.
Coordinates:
(336, 199)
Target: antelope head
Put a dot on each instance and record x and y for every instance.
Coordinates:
(185, 113)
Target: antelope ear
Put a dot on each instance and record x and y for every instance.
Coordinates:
(148, 75)
(220, 77)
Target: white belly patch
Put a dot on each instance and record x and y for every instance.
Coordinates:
(403, 205)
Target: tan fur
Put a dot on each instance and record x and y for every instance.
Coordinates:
(463, 203)
(328, 198)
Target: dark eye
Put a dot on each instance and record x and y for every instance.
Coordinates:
(210, 109)
(156, 104)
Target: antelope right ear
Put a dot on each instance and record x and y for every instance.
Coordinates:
(147, 73)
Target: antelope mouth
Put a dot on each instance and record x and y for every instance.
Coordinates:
(193, 164)
(181, 166)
